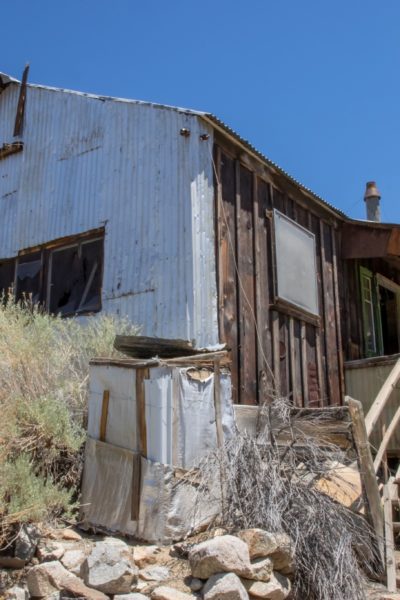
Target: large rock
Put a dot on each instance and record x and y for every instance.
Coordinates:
(50, 577)
(26, 542)
(73, 560)
(222, 554)
(277, 588)
(225, 586)
(110, 568)
(276, 546)
(167, 593)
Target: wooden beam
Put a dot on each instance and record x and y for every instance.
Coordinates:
(104, 415)
(8, 149)
(217, 403)
(141, 430)
(367, 471)
(386, 439)
(383, 396)
(19, 118)
(389, 541)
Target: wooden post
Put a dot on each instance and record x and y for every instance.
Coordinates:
(367, 470)
(104, 415)
(141, 445)
(389, 541)
(217, 404)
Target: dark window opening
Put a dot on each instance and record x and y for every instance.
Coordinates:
(75, 278)
(66, 279)
(7, 275)
(388, 310)
(29, 277)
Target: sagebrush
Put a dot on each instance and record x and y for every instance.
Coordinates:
(44, 364)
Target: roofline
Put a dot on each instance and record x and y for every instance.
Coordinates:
(223, 128)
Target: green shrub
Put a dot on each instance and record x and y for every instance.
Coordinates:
(44, 364)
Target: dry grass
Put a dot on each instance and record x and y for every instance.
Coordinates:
(263, 484)
(43, 403)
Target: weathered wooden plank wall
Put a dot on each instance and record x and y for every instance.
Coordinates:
(273, 350)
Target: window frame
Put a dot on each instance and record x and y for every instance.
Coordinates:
(45, 252)
(283, 304)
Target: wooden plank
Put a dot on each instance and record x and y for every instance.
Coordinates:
(135, 490)
(228, 288)
(367, 471)
(337, 313)
(141, 429)
(262, 262)
(19, 117)
(246, 275)
(389, 541)
(217, 404)
(275, 349)
(329, 315)
(139, 346)
(292, 361)
(104, 415)
(383, 396)
(386, 439)
(8, 149)
(304, 369)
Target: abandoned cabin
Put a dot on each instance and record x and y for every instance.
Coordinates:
(168, 217)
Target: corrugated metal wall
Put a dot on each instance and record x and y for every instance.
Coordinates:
(363, 383)
(91, 161)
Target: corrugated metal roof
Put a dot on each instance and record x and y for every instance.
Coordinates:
(213, 120)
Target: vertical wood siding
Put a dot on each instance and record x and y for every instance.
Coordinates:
(273, 351)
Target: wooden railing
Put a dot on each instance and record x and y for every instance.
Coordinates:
(382, 520)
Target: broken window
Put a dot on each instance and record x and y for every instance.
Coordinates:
(75, 275)
(29, 277)
(66, 279)
(296, 270)
(7, 275)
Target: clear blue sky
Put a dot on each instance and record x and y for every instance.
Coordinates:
(314, 85)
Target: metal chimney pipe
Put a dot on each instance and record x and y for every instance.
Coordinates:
(372, 199)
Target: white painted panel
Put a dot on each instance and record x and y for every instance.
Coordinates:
(121, 421)
(158, 402)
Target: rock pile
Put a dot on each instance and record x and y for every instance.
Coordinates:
(251, 564)
(254, 564)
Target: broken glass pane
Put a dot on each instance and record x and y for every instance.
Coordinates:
(28, 277)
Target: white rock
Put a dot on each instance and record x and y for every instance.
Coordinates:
(277, 588)
(225, 586)
(261, 569)
(222, 554)
(50, 577)
(110, 568)
(73, 560)
(167, 593)
(154, 573)
(16, 593)
(145, 555)
(196, 584)
(50, 551)
(276, 546)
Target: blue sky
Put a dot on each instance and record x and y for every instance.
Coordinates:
(314, 85)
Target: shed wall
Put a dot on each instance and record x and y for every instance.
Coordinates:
(92, 161)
